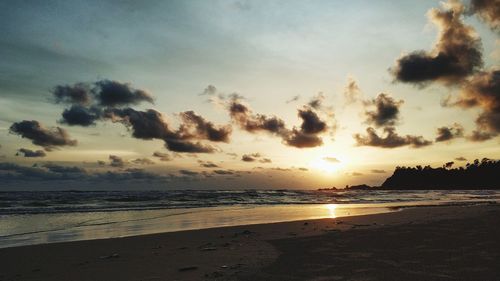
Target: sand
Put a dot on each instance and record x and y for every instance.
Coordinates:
(426, 243)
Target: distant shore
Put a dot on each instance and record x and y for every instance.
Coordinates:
(425, 243)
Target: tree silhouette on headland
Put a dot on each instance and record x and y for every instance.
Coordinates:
(484, 174)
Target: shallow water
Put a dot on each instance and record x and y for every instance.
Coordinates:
(28, 218)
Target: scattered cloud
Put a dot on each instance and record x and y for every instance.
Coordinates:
(48, 138)
(488, 11)
(391, 140)
(31, 153)
(456, 54)
(448, 133)
(162, 156)
(386, 111)
(116, 161)
(143, 161)
(352, 92)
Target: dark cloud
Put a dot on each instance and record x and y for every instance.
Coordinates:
(101, 163)
(151, 124)
(488, 11)
(77, 94)
(116, 161)
(461, 158)
(188, 147)
(456, 55)
(223, 172)
(307, 135)
(483, 91)
(162, 156)
(448, 165)
(188, 173)
(391, 140)
(304, 136)
(386, 112)
(196, 126)
(377, 171)
(112, 93)
(54, 172)
(64, 169)
(48, 138)
(250, 157)
(103, 93)
(448, 133)
(479, 136)
(31, 153)
(81, 116)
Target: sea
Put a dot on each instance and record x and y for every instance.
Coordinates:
(37, 217)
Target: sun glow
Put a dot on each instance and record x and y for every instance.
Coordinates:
(326, 164)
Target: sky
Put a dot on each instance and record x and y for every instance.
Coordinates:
(243, 94)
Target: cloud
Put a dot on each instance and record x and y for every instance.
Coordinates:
(391, 140)
(461, 158)
(53, 172)
(265, 160)
(488, 11)
(448, 133)
(103, 93)
(293, 99)
(188, 173)
(64, 169)
(112, 93)
(352, 92)
(307, 135)
(31, 153)
(188, 147)
(48, 138)
(162, 156)
(317, 101)
(304, 136)
(143, 161)
(456, 54)
(197, 127)
(479, 136)
(151, 124)
(81, 116)
(88, 100)
(207, 164)
(482, 91)
(223, 172)
(246, 120)
(77, 94)
(250, 157)
(116, 161)
(386, 112)
(377, 171)
(331, 159)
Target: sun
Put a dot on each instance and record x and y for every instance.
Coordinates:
(326, 164)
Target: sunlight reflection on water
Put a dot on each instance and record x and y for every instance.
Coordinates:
(17, 230)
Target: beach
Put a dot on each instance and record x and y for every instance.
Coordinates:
(423, 243)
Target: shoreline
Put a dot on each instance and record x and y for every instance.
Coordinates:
(226, 253)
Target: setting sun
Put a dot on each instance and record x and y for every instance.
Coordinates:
(326, 164)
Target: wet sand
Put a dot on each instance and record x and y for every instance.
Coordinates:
(426, 243)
